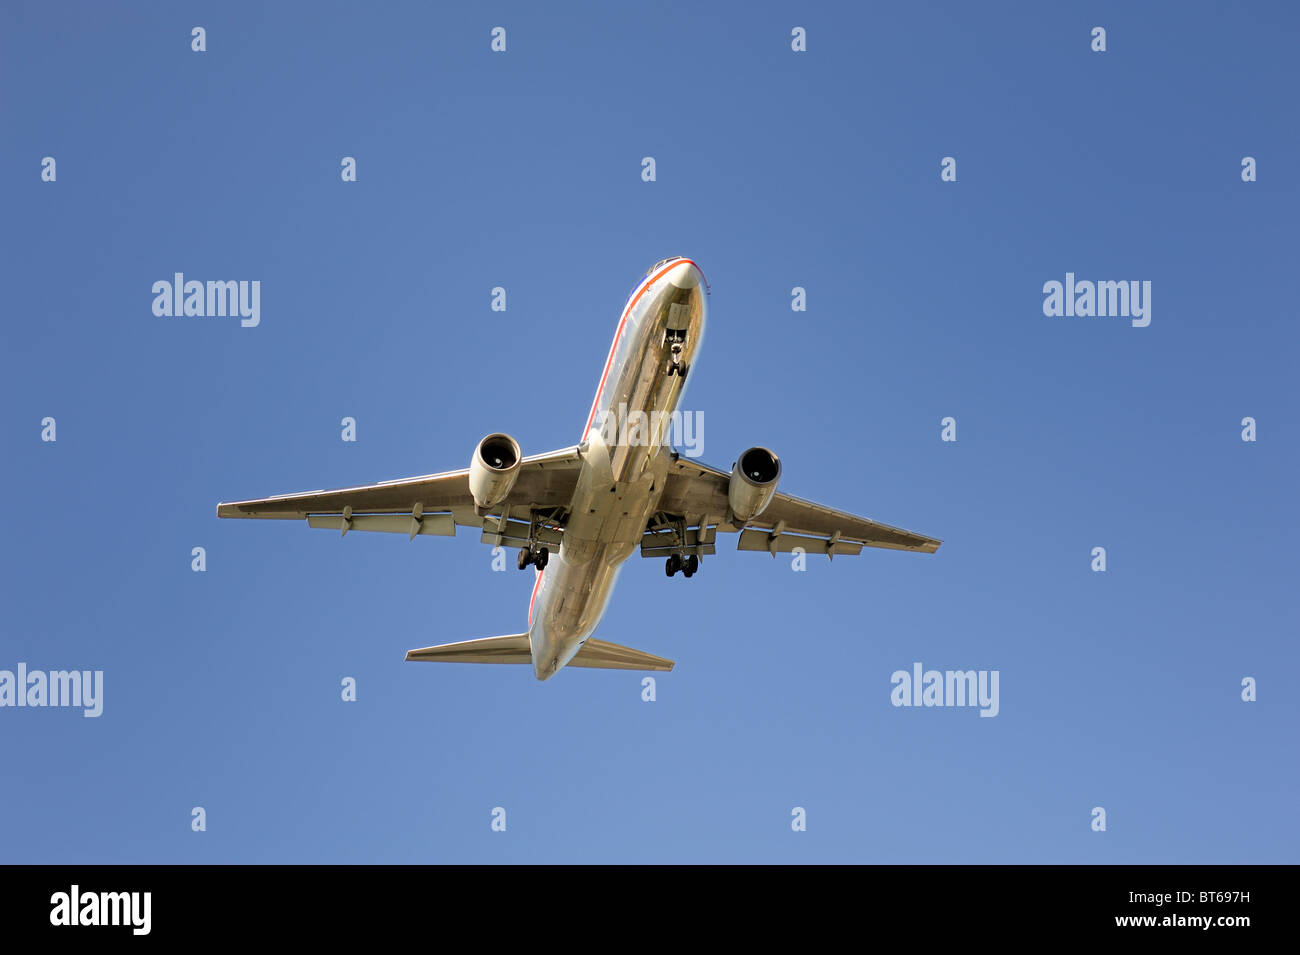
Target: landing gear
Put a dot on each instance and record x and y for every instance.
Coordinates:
(675, 365)
(687, 565)
(538, 558)
(532, 552)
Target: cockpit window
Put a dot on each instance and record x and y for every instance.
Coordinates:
(652, 270)
(660, 264)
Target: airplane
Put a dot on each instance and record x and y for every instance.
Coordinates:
(595, 503)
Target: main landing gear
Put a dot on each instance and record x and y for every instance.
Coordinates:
(687, 565)
(537, 558)
(532, 552)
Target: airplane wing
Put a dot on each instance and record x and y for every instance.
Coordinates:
(694, 505)
(433, 503)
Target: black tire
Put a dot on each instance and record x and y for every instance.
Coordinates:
(670, 566)
(525, 558)
(692, 565)
(542, 557)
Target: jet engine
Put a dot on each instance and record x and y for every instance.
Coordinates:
(493, 470)
(753, 483)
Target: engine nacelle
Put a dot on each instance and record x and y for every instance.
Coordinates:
(493, 470)
(753, 483)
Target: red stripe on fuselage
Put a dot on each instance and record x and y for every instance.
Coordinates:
(622, 321)
(613, 349)
(537, 585)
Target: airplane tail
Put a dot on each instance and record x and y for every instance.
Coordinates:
(515, 648)
(599, 655)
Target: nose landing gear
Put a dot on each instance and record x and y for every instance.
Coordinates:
(675, 339)
(675, 364)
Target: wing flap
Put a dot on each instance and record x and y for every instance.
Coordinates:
(773, 543)
(441, 525)
(664, 540)
(512, 533)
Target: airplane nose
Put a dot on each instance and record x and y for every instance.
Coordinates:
(685, 275)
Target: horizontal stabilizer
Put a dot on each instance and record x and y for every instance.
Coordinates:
(515, 648)
(600, 655)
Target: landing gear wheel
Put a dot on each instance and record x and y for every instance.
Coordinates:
(673, 564)
(525, 557)
(690, 566)
(542, 557)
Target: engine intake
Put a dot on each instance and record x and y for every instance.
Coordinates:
(753, 483)
(493, 470)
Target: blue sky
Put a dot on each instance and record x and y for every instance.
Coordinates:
(775, 169)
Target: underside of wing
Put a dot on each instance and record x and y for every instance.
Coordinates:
(698, 492)
(434, 503)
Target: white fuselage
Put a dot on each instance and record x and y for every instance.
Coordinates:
(625, 460)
